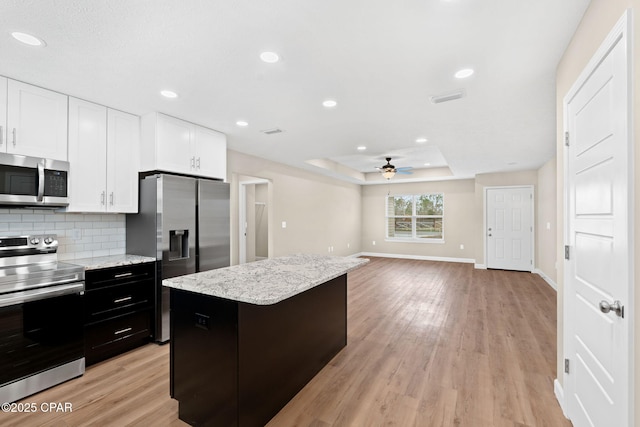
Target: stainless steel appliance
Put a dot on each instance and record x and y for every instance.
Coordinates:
(184, 223)
(33, 181)
(41, 317)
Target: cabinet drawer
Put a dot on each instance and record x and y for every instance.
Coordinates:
(114, 276)
(112, 301)
(108, 338)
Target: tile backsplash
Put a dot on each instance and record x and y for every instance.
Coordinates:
(79, 235)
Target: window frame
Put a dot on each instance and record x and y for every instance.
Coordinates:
(414, 218)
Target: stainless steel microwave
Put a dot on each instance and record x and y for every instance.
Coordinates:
(33, 181)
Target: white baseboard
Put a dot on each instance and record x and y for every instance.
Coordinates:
(480, 266)
(559, 392)
(546, 278)
(418, 257)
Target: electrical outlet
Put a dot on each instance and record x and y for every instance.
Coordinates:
(374, 243)
(548, 226)
(348, 245)
(284, 224)
(461, 246)
(77, 234)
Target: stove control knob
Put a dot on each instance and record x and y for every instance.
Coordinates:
(48, 240)
(34, 241)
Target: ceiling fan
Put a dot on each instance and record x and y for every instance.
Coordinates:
(388, 171)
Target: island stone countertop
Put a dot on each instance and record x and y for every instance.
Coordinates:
(111, 261)
(269, 281)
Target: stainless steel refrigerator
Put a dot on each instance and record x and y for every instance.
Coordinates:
(184, 223)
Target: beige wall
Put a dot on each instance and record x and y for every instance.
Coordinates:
(546, 221)
(597, 22)
(320, 212)
(459, 219)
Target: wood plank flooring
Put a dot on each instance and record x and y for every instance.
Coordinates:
(429, 344)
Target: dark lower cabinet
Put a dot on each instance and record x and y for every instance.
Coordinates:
(238, 364)
(118, 309)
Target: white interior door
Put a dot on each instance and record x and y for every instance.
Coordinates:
(510, 228)
(597, 274)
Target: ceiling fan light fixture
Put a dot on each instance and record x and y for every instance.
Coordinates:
(388, 173)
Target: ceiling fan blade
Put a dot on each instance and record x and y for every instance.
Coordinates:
(406, 168)
(404, 172)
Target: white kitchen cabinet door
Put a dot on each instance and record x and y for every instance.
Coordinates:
(3, 114)
(173, 145)
(36, 121)
(123, 142)
(87, 156)
(210, 151)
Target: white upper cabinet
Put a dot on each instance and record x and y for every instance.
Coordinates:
(123, 151)
(173, 148)
(174, 145)
(103, 157)
(210, 153)
(3, 114)
(87, 156)
(36, 122)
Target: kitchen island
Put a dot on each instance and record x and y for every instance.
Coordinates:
(245, 339)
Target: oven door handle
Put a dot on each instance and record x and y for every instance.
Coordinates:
(41, 293)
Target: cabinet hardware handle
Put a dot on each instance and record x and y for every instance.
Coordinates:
(122, 331)
(122, 275)
(111, 198)
(198, 163)
(14, 137)
(1, 135)
(102, 196)
(116, 301)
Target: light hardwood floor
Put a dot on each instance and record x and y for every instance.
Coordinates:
(429, 344)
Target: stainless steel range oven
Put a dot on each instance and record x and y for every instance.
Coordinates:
(41, 324)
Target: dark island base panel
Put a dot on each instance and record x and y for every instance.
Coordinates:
(238, 364)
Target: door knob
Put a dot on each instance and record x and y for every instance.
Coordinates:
(615, 306)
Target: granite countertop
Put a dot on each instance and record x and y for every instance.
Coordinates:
(269, 281)
(111, 261)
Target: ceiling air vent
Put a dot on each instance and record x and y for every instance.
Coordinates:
(271, 131)
(445, 97)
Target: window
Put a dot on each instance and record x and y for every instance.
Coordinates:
(415, 217)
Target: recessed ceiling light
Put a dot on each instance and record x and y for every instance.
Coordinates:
(28, 39)
(427, 164)
(421, 140)
(242, 123)
(361, 148)
(329, 103)
(168, 94)
(269, 57)
(464, 73)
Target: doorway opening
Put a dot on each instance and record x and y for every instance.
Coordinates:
(254, 213)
